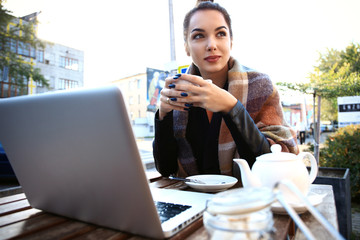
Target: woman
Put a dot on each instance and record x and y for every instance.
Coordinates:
(227, 111)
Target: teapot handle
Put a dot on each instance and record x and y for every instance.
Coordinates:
(314, 165)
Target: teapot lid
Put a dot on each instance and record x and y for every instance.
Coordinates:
(276, 155)
(241, 201)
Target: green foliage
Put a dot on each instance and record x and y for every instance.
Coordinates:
(16, 65)
(328, 60)
(351, 55)
(337, 82)
(337, 75)
(342, 150)
(329, 109)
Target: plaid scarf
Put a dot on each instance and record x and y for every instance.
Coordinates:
(260, 98)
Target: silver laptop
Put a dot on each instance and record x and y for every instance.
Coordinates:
(74, 154)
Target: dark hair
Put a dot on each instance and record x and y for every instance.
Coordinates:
(206, 5)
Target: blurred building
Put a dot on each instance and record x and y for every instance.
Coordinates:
(134, 90)
(142, 96)
(298, 108)
(62, 66)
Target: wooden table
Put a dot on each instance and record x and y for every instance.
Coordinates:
(327, 209)
(19, 220)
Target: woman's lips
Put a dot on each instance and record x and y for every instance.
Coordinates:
(212, 58)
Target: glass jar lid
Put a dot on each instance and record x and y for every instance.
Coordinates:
(241, 201)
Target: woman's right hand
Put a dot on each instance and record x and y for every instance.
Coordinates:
(169, 96)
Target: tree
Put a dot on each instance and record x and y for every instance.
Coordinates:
(337, 75)
(18, 44)
(329, 109)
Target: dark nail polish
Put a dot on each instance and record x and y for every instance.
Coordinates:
(188, 104)
(187, 109)
(171, 85)
(173, 99)
(178, 75)
(184, 94)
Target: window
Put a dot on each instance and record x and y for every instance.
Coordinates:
(69, 63)
(67, 84)
(139, 83)
(39, 84)
(131, 85)
(13, 45)
(32, 52)
(11, 88)
(139, 98)
(4, 73)
(24, 49)
(40, 56)
(21, 48)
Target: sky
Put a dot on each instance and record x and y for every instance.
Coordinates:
(282, 38)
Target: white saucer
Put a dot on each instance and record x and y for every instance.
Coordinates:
(314, 198)
(212, 183)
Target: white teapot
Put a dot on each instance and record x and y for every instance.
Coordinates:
(271, 168)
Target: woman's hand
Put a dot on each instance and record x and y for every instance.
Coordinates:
(203, 93)
(183, 91)
(169, 97)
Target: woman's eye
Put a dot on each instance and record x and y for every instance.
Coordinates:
(197, 36)
(221, 34)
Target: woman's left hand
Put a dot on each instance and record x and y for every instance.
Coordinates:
(205, 94)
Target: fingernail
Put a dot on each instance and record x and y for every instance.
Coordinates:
(184, 94)
(188, 104)
(178, 75)
(173, 99)
(171, 85)
(187, 109)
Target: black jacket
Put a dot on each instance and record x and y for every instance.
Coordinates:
(203, 138)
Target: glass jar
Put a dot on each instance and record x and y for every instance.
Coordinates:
(243, 213)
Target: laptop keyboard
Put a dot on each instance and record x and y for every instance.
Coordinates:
(168, 210)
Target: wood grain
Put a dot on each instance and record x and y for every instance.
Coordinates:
(19, 220)
(326, 208)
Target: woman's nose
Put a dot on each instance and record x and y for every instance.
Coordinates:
(211, 45)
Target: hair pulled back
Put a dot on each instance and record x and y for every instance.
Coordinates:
(206, 5)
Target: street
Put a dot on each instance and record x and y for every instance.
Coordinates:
(310, 139)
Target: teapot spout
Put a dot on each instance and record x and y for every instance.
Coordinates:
(247, 177)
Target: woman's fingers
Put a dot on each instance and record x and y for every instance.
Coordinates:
(176, 96)
(171, 100)
(185, 91)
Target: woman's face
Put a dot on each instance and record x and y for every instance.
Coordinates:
(208, 41)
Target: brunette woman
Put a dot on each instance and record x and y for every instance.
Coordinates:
(220, 110)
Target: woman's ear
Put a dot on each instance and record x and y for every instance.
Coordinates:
(187, 49)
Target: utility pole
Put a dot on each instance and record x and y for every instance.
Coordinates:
(172, 33)
(316, 127)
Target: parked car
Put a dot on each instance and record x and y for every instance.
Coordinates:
(324, 127)
(6, 171)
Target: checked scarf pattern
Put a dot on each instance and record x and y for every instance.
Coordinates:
(260, 98)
